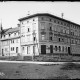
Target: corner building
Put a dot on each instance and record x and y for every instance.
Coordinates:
(45, 33)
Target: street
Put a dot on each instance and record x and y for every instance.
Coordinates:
(39, 70)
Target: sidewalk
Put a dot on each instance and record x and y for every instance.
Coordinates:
(35, 62)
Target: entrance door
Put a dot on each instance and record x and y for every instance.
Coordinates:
(16, 49)
(69, 51)
(51, 48)
(2, 52)
(43, 49)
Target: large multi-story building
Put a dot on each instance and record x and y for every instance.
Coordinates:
(41, 33)
(44, 33)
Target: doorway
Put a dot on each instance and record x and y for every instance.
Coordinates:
(69, 52)
(16, 49)
(51, 48)
(43, 49)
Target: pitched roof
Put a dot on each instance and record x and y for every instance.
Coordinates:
(11, 30)
(46, 14)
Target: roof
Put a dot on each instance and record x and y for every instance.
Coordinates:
(11, 30)
(46, 14)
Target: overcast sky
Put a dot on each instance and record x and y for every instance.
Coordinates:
(11, 11)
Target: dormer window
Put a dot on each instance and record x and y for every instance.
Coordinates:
(9, 35)
(14, 34)
(4, 35)
(33, 19)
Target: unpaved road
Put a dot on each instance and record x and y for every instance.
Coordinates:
(38, 71)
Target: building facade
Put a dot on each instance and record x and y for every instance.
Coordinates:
(40, 34)
(10, 42)
(48, 34)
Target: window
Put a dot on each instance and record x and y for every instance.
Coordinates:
(13, 48)
(14, 34)
(61, 30)
(6, 49)
(58, 22)
(62, 39)
(42, 18)
(34, 38)
(4, 35)
(76, 41)
(27, 21)
(55, 48)
(33, 19)
(66, 49)
(28, 30)
(50, 26)
(54, 21)
(50, 38)
(22, 22)
(12, 41)
(22, 48)
(59, 39)
(59, 48)
(64, 24)
(72, 41)
(43, 37)
(9, 35)
(63, 48)
(28, 50)
(61, 23)
(50, 19)
(42, 25)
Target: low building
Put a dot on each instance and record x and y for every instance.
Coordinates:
(10, 42)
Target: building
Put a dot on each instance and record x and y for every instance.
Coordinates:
(10, 42)
(45, 33)
(39, 34)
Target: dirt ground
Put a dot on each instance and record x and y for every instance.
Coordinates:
(39, 71)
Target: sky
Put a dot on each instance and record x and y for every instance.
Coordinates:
(11, 11)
